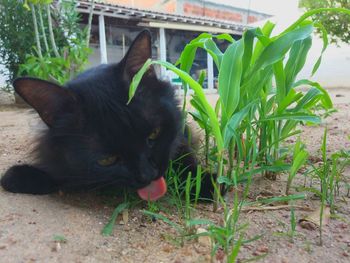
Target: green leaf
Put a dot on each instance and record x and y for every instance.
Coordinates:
(298, 161)
(259, 46)
(107, 230)
(225, 180)
(60, 238)
(325, 44)
(309, 99)
(291, 97)
(214, 122)
(280, 78)
(177, 227)
(230, 77)
(277, 49)
(279, 199)
(235, 120)
(206, 42)
(214, 51)
(299, 116)
(226, 37)
(326, 99)
(196, 222)
(248, 38)
(137, 79)
(296, 60)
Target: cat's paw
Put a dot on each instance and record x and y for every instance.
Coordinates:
(28, 180)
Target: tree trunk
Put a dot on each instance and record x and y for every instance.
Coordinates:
(52, 37)
(89, 23)
(36, 31)
(43, 30)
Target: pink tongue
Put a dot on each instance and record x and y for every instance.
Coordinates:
(155, 190)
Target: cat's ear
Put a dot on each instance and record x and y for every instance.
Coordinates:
(48, 99)
(138, 53)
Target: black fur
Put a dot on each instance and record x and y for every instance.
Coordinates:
(89, 119)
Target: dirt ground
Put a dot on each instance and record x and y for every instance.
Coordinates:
(28, 224)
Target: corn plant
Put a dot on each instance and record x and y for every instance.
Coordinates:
(300, 156)
(250, 109)
(340, 160)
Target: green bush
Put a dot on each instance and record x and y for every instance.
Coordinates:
(61, 51)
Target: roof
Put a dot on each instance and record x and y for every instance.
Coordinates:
(160, 19)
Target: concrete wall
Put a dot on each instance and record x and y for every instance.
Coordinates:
(210, 9)
(335, 67)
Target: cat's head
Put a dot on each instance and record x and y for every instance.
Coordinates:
(94, 137)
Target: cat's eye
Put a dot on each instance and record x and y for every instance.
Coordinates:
(108, 161)
(154, 134)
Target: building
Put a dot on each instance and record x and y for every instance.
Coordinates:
(196, 8)
(173, 23)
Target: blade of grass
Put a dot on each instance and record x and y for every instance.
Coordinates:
(107, 230)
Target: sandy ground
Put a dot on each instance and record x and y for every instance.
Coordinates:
(29, 223)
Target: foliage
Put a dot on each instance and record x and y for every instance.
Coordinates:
(107, 230)
(300, 156)
(336, 24)
(250, 109)
(260, 106)
(68, 53)
(16, 36)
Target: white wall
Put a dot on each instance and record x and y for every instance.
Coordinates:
(2, 78)
(335, 67)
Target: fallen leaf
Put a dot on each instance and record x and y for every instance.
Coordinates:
(125, 215)
(312, 221)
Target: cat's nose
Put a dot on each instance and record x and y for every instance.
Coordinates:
(146, 178)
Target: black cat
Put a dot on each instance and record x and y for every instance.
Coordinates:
(94, 139)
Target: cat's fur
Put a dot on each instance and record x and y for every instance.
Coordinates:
(88, 120)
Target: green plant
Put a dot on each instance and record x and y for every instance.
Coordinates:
(185, 228)
(107, 230)
(66, 52)
(326, 176)
(259, 107)
(60, 238)
(336, 24)
(299, 158)
(250, 109)
(16, 39)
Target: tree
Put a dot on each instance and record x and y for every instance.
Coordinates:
(336, 24)
(66, 47)
(42, 38)
(16, 36)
